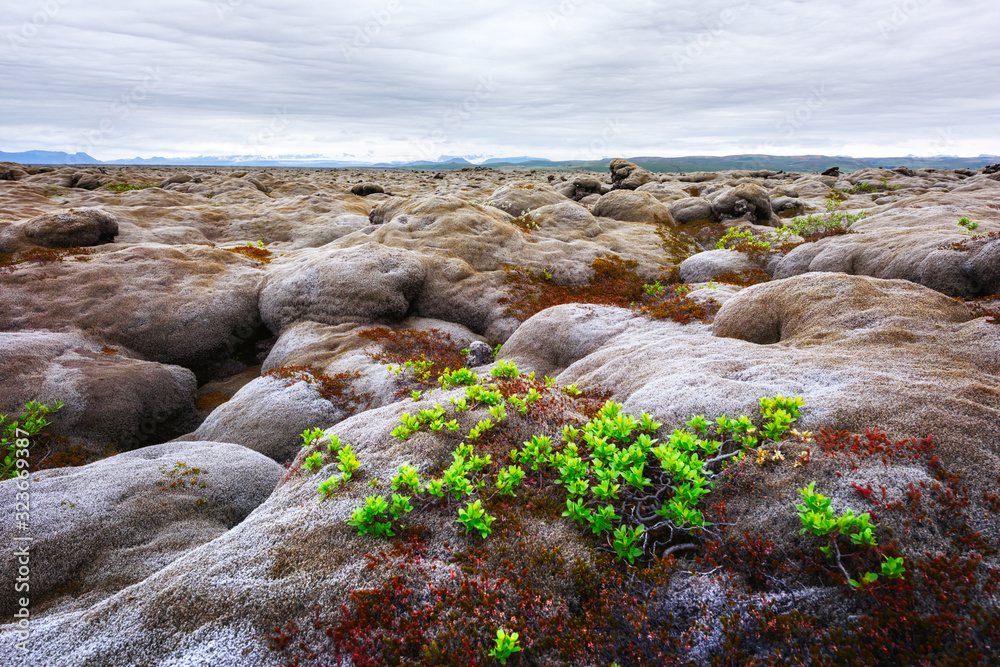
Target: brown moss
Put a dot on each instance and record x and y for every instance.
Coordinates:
(746, 278)
(615, 283)
(43, 256)
(400, 346)
(336, 389)
(262, 255)
(211, 400)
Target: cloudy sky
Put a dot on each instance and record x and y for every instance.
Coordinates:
(563, 79)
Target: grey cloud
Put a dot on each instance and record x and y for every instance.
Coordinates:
(389, 77)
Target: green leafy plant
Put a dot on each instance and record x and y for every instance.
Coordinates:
(968, 224)
(653, 290)
(462, 376)
(818, 519)
(506, 370)
(408, 478)
(328, 486)
(506, 644)
(625, 541)
(16, 434)
(509, 478)
(126, 187)
(743, 240)
(475, 518)
(348, 462)
(313, 461)
(369, 519)
(311, 435)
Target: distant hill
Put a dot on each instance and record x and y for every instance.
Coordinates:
(47, 157)
(804, 163)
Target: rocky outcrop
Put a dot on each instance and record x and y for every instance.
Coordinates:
(744, 202)
(524, 196)
(86, 227)
(100, 528)
(628, 176)
(633, 207)
(111, 399)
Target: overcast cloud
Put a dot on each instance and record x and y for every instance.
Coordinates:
(410, 79)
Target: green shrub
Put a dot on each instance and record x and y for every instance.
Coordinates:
(15, 440)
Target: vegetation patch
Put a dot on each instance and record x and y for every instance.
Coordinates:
(126, 187)
(211, 400)
(256, 253)
(645, 498)
(337, 389)
(866, 188)
(15, 439)
(754, 276)
(614, 283)
(43, 256)
(429, 354)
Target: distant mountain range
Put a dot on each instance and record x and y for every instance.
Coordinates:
(449, 162)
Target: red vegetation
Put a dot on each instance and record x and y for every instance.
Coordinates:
(336, 388)
(398, 347)
(615, 283)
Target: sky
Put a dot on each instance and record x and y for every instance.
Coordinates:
(559, 79)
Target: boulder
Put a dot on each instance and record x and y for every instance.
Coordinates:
(269, 415)
(176, 179)
(861, 352)
(709, 265)
(100, 528)
(86, 181)
(259, 185)
(697, 177)
(364, 283)
(387, 209)
(524, 196)
(480, 354)
(580, 186)
(628, 176)
(924, 245)
(9, 171)
(787, 207)
(692, 210)
(84, 227)
(111, 398)
(365, 189)
(632, 206)
(188, 305)
(744, 202)
(665, 192)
